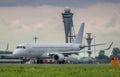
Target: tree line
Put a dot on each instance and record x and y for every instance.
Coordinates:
(103, 58)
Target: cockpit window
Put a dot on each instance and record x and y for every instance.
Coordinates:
(20, 47)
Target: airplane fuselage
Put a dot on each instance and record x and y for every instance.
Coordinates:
(43, 50)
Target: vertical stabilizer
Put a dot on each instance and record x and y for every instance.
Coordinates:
(79, 36)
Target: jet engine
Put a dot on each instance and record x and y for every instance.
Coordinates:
(59, 57)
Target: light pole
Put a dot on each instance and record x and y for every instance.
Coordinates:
(89, 40)
(35, 38)
(84, 45)
(94, 46)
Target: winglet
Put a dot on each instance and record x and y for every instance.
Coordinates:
(109, 46)
(79, 36)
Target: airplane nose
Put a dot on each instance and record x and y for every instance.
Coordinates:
(15, 52)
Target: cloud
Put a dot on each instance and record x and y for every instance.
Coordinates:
(99, 17)
(63, 3)
(113, 22)
(30, 21)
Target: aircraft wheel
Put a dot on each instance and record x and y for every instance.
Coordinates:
(39, 61)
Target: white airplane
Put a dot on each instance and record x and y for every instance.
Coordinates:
(54, 50)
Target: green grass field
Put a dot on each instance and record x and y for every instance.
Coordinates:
(62, 70)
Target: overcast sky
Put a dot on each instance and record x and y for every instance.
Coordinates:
(21, 20)
(63, 3)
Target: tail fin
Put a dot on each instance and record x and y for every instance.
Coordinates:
(79, 36)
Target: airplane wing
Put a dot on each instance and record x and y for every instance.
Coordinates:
(95, 45)
(66, 53)
(106, 48)
(77, 52)
(109, 46)
(71, 52)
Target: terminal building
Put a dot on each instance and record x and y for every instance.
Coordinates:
(6, 57)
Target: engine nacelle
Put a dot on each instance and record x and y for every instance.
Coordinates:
(59, 57)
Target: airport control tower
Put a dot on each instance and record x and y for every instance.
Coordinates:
(68, 25)
(89, 40)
